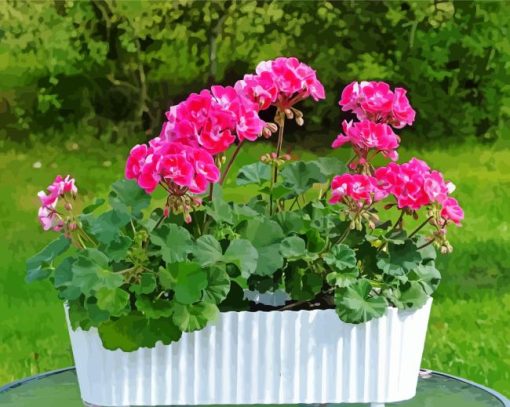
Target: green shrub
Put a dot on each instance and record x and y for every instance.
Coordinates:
(104, 62)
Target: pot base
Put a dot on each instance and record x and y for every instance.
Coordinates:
(281, 357)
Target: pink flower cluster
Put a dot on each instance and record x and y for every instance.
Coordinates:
(48, 214)
(181, 167)
(358, 189)
(281, 82)
(414, 185)
(211, 120)
(366, 135)
(375, 101)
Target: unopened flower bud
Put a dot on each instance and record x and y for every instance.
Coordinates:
(286, 157)
(272, 127)
(300, 121)
(68, 206)
(187, 218)
(289, 114)
(266, 132)
(166, 212)
(73, 226)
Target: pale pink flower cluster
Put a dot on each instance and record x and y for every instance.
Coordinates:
(281, 82)
(48, 214)
(377, 102)
(367, 135)
(179, 166)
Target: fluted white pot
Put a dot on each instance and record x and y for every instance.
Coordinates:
(278, 357)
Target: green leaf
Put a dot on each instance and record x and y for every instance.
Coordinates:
(134, 331)
(428, 253)
(315, 243)
(218, 285)
(127, 196)
(342, 278)
(265, 235)
(261, 232)
(330, 166)
(190, 280)
(40, 266)
(428, 276)
(107, 227)
(207, 250)
(96, 314)
(90, 272)
(91, 208)
(193, 317)
(166, 280)
(291, 222)
(219, 209)
(113, 300)
(146, 285)
(400, 258)
(235, 300)
(270, 260)
(302, 284)
(256, 173)
(341, 257)
(155, 308)
(79, 316)
(118, 248)
(413, 295)
(292, 247)
(356, 304)
(299, 176)
(175, 242)
(63, 273)
(244, 255)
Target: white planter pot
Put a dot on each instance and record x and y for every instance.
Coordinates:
(280, 357)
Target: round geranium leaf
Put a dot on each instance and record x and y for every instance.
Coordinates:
(357, 303)
(193, 317)
(341, 257)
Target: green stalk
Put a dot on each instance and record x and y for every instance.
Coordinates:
(420, 227)
(230, 162)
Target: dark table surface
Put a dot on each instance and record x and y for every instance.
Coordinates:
(60, 388)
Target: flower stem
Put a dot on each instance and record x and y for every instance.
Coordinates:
(280, 120)
(343, 236)
(420, 227)
(230, 162)
(399, 221)
(425, 244)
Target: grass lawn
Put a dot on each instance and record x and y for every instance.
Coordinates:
(469, 329)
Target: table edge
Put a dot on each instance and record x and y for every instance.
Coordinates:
(494, 393)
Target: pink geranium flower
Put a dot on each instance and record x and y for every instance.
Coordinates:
(375, 101)
(60, 188)
(175, 164)
(281, 82)
(402, 113)
(366, 135)
(452, 211)
(362, 189)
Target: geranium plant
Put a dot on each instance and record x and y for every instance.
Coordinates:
(329, 234)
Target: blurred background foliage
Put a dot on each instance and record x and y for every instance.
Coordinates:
(113, 67)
